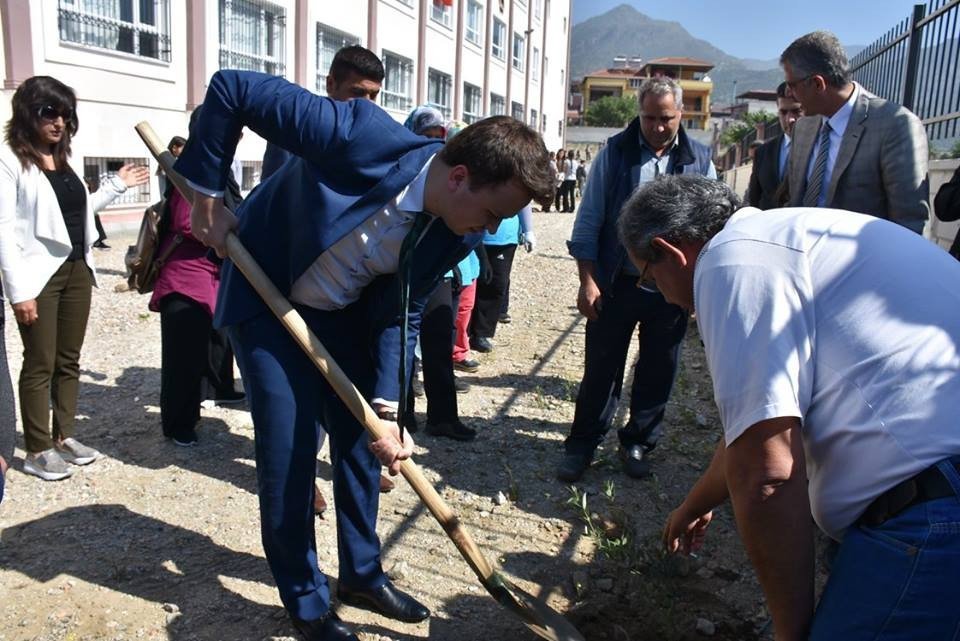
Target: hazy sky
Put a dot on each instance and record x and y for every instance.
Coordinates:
(752, 29)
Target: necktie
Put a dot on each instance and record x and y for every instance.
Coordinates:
(811, 197)
(404, 270)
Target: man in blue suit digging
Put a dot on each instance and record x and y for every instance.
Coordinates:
(363, 205)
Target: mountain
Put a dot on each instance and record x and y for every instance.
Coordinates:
(625, 31)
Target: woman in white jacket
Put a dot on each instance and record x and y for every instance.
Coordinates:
(46, 232)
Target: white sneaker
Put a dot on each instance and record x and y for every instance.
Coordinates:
(48, 465)
(73, 451)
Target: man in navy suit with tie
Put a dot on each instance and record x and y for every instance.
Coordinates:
(329, 230)
(770, 162)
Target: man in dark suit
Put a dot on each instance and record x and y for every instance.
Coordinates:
(355, 72)
(363, 200)
(770, 159)
(854, 151)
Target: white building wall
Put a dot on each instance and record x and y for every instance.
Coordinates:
(116, 90)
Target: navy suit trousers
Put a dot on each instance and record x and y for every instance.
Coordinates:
(662, 327)
(289, 399)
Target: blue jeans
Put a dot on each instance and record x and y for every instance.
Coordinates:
(899, 581)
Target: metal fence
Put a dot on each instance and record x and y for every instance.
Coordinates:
(916, 65)
(739, 152)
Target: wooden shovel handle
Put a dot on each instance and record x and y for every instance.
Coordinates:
(338, 380)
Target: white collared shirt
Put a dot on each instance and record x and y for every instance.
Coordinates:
(338, 275)
(838, 125)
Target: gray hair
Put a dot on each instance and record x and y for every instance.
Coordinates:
(819, 53)
(661, 86)
(676, 208)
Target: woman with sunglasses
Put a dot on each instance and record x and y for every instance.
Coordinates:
(46, 233)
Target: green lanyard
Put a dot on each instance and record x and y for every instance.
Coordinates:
(404, 270)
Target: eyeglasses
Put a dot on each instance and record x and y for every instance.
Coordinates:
(793, 83)
(51, 113)
(646, 282)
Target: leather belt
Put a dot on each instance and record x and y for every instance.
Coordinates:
(928, 485)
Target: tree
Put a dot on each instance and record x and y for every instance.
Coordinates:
(611, 111)
(746, 123)
(955, 150)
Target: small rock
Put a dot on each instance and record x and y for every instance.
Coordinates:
(605, 584)
(702, 420)
(581, 581)
(172, 617)
(705, 573)
(171, 607)
(500, 499)
(706, 627)
(399, 571)
(484, 514)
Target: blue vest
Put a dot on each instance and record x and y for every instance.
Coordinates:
(624, 155)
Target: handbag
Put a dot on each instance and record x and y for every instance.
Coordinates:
(142, 260)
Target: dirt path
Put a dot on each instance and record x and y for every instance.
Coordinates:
(158, 542)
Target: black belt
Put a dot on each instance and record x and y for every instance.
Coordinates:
(928, 485)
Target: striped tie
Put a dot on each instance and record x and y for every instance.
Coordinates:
(811, 197)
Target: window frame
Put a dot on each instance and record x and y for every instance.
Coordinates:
(499, 28)
(323, 67)
(404, 101)
(519, 62)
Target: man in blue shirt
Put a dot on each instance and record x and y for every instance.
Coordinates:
(612, 296)
(366, 211)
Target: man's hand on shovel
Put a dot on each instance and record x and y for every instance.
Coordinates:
(388, 449)
(211, 222)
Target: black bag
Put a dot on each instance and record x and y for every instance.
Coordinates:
(142, 260)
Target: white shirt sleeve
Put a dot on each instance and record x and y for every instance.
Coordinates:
(757, 330)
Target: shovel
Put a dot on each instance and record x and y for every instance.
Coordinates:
(534, 613)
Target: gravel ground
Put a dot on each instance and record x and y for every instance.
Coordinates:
(159, 542)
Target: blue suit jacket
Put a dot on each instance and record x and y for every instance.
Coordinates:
(353, 158)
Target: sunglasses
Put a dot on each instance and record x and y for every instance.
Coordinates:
(51, 113)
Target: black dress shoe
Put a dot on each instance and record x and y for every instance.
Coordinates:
(481, 344)
(101, 245)
(504, 318)
(460, 385)
(572, 467)
(386, 600)
(635, 463)
(469, 365)
(452, 429)
(327, 628)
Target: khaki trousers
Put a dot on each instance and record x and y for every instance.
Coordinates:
(51, 356)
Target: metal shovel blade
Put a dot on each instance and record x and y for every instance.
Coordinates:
(543, 620)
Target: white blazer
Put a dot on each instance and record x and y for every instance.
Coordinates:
(34, 241)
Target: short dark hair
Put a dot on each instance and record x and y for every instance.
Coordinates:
(782, 90)
(681, 208)
(818, 54)
(176, 141)
(498, 149)
(358, 60)
(21, 129)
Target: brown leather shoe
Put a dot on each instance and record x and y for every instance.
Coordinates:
(386, 484)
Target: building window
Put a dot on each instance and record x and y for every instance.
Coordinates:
(636, 82)
(397, 91)
(519, 52)
(537, 8)
(442, 13)
(472, 103)
(533, 118)
(543, 123)
(250, 170)
(474, 22)
(329, 42)
(516, 110)
(438, 91)
(535, 71)
(560, 128)
(140, 28)
(252, 36)
(96, 170)
(498, 105)
(499, 41)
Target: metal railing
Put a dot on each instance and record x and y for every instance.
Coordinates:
(97, 169)
(252, 36)
(140, 29)
(739, 152)
(917, 64)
